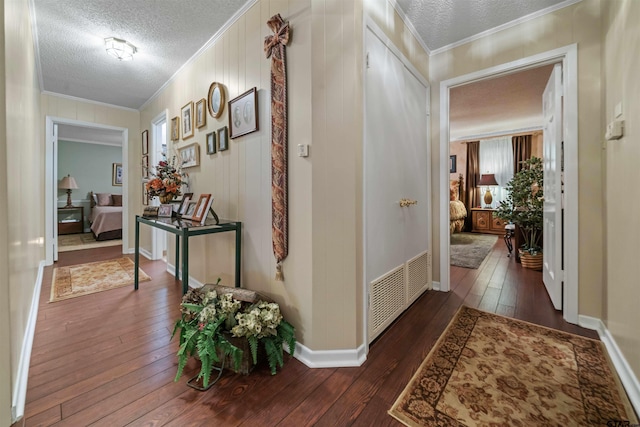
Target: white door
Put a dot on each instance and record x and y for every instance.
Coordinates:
(395, 168)
(552, 160)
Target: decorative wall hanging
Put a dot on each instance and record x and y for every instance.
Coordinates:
(201, 113)
(274, 47)
(223, 138)
(243, 113)
(216, 100)
(190, 155)
(211, 143)
(187, 120)
(145, 142)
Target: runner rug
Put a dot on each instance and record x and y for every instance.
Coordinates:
(85, 279)
(489, 370)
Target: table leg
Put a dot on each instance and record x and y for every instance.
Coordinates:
(185, 264)
(238, 252)
(177, 256)
(136, 256)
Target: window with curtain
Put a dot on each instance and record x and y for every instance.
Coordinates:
(496, 157)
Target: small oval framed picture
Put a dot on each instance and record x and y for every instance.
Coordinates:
(216, 100)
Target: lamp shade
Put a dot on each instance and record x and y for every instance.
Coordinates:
(68, 183)
(487, 179)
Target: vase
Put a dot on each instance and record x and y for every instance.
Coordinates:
(528, 260)
(167, 198)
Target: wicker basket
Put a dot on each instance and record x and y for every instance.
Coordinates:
(534, 262)
(244, 295)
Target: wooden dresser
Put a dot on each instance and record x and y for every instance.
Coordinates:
(484, 221)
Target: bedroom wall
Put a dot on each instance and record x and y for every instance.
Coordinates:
(91, 165)
(621, 294)
(579, 23)
(21, 215)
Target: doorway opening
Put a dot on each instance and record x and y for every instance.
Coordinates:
(567, 57)
(157, 151)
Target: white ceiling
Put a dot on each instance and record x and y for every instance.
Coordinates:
(72, 60)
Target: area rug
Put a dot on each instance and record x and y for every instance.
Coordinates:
(489, 370)
(470, 249)
(78, 242)
(85, 279)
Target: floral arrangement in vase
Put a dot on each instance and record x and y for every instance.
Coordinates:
(213, 320)
(165, 182)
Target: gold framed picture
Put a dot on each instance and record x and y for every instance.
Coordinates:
(201, 113)
(186, 113)
(216, 99)
(116, 174)
(190, 155)
(175, 128)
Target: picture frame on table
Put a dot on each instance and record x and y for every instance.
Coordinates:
(202, 208)
(184, 204)
(116, 174)
(223, 138)
(243, 114)
(190, 155)
(175, 129)
(201, 113)
(211, 143)
(145, 142)
(191, 208)
(165, 210)
(216, 99)
(186, 114)
(452, 164)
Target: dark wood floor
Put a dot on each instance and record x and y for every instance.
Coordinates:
(106, 359)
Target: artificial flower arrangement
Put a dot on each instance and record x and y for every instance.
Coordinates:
(211, 317)
(166, 180)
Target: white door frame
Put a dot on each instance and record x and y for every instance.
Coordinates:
(568, 56)
(51, 187)
(158, 237)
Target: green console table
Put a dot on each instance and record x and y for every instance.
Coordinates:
(183, 230)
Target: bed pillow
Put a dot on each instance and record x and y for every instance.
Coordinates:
(453, 194)
(117, 199)
(104, 199)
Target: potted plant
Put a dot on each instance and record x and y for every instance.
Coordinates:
(524, 207)
(226, 327)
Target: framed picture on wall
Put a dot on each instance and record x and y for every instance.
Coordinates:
(216, 100)
(116, 174)
(186, 113)
(190, 155)
(243, 114)
(175, 128)
(201, 113)
(223, 138)
(145, 142)
(211, 143)
(145, 166)
(452, 164)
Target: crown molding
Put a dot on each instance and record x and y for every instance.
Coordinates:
(90, 101)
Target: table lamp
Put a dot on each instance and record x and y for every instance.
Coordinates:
(488, 180)
(68, 183)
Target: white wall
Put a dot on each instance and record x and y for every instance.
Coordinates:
(21, 215)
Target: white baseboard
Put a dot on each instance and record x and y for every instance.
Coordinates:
(193, 283)
(435, 285)
(145, 253)
(627, 377)
(330, 358)
(20, 388)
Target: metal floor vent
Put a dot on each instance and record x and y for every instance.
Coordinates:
(418, 275)
(387, 300)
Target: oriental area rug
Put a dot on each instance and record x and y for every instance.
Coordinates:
(489, 370)
(470, 249)
(85, 279)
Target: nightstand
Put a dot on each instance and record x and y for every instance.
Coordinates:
(71, 220)
(485, 221)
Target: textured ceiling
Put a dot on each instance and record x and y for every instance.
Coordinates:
(167, 33)
(500, 104)
(442, 23)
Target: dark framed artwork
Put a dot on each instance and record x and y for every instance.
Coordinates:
(223, 138)
(145, 142)
(452, 164)
(211, 143)
(243, 114)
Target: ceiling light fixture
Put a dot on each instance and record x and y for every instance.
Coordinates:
(120, 49)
